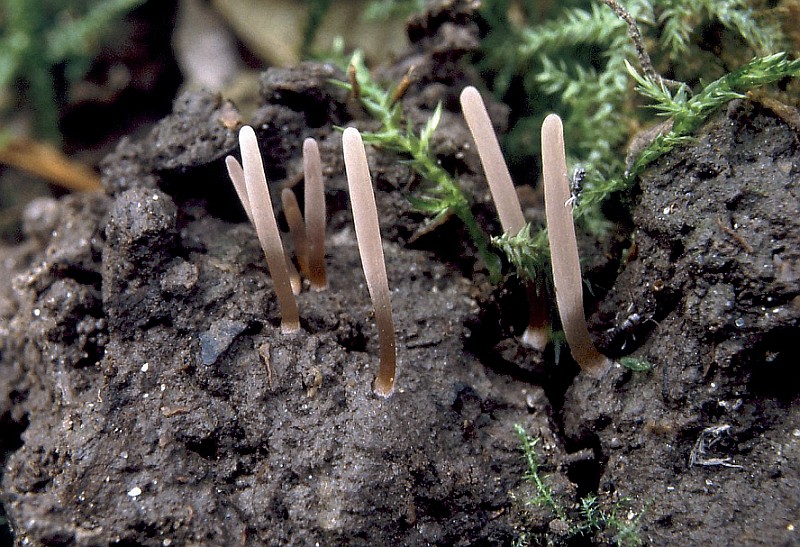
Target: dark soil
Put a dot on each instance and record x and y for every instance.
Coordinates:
(710, 438)
(147, 396)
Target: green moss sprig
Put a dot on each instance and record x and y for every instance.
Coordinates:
(621, 522)
(544, 494)
(687, 112)
(593, 519)
(36, 35)
(529, 254)
(573, 60)
(441, 195)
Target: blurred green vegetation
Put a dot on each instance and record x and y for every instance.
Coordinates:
(44, 46)
(570, 57)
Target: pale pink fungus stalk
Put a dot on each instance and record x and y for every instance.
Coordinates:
(365, 216)
(505, 199)
(236, 174)
(564, 251)
(297, 228)
(267, 228)
(315, 215)
(294, 275)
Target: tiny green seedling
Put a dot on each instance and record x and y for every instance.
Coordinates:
(590, 518)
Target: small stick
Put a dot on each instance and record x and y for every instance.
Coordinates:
(739, 239)
(44, 160)
(638, 43)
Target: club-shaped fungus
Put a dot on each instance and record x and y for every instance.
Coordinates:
(263, 218)
(236, 174)
(365, 217)
(314, 196)
(564, 251)
(297, 228)
(505, 198)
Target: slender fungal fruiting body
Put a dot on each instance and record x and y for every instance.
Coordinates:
(297, 228)
(564, 251)
(506, 201)
(365, 217)
(314, 196)
(267, 228)
(236, 174)
(494, 165)
(294, 275)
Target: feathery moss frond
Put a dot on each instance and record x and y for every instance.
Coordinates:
(528, 254)
(574, 61)
(679, 18)
(688, 114)
(441, 194)
(619, 522)
(544, 494)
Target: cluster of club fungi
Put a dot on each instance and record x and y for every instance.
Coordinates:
(308, 233)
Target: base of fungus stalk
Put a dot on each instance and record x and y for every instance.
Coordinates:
(536, 338)
(383, 389)
(537, 333)
(290, 328)
(595, 365)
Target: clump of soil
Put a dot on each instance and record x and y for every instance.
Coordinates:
(149, 398)
(709, 439)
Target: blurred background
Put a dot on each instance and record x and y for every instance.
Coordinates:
(77, 75)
